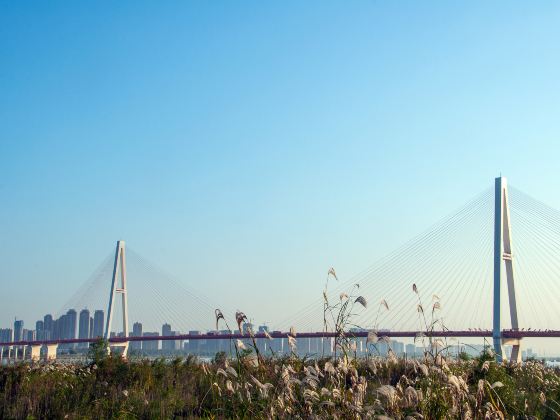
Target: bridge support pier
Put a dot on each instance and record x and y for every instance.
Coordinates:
(503, 258)
(516, 346)
(123, 345)
(50, 353)
(36, 352)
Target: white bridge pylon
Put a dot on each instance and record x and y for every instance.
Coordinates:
(503, 258)
(503, 263)
(120, 263)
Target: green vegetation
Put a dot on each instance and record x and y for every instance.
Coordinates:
(111, 387)
(253, 386)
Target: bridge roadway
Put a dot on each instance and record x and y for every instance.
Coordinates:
(512, 334)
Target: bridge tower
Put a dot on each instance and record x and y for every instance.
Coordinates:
(120, 263)
(503, 259)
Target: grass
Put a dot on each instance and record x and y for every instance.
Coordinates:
(111, 387)
(254, 386)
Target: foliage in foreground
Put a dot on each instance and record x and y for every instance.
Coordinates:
(111, 387)
(253, 386)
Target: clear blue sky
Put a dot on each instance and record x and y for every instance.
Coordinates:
(247, 146)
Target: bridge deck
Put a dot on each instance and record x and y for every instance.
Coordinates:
(516, 334)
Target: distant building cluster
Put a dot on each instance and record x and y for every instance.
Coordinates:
(67, 326)
(87, 325)
(70, 326)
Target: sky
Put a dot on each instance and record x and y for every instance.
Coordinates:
(247, 147)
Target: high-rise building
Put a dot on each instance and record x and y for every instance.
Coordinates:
(137, 329)
(48, 327)
(398, 348)
(29, 335)
(225, 345)
(63, 327)
(246, 327)
(212, 345)
(167, 345)
(58, 327)
(84, 327)
(70, 327)
(6, 335)
(98, 321)
(18, 330)
(40, 330)
(54, 329)
(194, 346)
(136, 332)
(410, 350)
(71, 323)
(383, 348)
(150, 346)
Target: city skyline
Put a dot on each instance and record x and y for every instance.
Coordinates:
(72, 328)
(313, 347)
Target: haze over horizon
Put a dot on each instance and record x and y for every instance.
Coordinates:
(248, 148)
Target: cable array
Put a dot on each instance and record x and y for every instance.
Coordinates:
(154, 298)
(450, 260)
(536, 245)
(453, 259)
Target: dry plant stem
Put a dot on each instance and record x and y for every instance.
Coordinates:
(421, 310)
(230, 340)
(291, 386)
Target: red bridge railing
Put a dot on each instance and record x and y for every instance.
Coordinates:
(277, 334)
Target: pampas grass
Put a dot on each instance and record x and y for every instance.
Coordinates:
(250, 385)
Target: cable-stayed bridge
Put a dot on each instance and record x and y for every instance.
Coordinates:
(490, 269)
